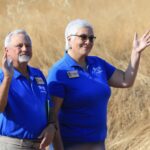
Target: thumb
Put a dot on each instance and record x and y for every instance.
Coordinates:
(135, 36)
(43, 143)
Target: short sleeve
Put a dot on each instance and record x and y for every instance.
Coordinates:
(109, 68)
(55, 84)
(1, 76)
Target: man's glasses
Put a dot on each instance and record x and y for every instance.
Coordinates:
(84, 37)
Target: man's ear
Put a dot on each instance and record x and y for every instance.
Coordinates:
(6, 49)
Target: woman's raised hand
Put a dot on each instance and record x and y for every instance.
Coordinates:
(140, 44)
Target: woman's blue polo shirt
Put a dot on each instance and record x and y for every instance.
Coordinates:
(25, 115)
(83, 115)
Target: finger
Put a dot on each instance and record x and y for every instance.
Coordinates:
(147, 38)
(148, 43)
(146, 34)
(5, 55)
(135, 38)
(4, 59)
(43, 143)
(9, 62)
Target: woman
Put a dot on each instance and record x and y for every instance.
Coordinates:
(80, 87)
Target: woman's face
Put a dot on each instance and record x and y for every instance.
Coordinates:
(82, 42)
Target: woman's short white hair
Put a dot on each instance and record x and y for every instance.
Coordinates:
(73, 27)
(17, 31)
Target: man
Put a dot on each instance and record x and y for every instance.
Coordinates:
(23, 98)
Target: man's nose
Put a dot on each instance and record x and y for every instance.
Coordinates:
(24, 48)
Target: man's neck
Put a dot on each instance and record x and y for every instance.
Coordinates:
(22, 68)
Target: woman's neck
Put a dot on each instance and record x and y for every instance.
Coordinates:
(81, 60)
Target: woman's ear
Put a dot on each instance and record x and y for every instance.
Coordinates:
(69, 38)
(69, 42)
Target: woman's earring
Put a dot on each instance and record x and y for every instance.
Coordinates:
(70, 47)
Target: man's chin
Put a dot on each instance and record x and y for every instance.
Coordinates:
(21, 62)
(24, 59)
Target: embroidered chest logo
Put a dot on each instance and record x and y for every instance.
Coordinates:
(42, 89)
(41, 84)
(97, 70)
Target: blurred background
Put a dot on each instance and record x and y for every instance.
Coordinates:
(115, 23)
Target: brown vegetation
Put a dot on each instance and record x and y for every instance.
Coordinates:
(115, 23)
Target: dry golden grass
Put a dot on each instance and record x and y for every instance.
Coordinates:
(115, 23)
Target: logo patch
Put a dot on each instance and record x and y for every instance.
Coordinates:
(73, 74)
(39, 80)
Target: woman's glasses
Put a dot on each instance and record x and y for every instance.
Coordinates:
(84, 37)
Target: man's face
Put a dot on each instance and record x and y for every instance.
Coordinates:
(19, 49)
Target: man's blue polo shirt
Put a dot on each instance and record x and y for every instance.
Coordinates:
(83, 114)
(25, 115)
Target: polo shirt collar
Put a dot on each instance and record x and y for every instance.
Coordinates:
(71, 62)
(32, 74)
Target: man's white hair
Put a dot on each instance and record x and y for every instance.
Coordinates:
(73, 27)
(15, 32)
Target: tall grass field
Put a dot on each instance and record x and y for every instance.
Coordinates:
(114, 22)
